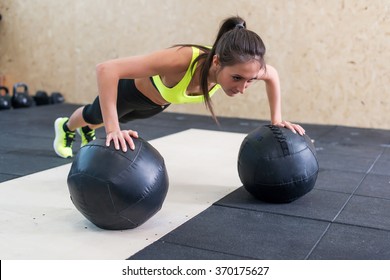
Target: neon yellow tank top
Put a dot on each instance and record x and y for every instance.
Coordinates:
(177, 94)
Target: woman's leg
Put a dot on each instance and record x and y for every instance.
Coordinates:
(131, 105)
(76, 120)
(85, 130)
(85, 120)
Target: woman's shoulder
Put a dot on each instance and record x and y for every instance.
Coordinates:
(192, 48)
(171, 59)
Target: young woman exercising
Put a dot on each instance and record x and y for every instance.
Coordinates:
(142, 86)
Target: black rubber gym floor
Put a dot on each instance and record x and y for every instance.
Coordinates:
(345, 216)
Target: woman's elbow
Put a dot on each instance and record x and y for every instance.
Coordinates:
(106, 70)
(101, 68)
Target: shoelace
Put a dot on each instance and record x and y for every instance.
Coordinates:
(69, 138)
(90, 135)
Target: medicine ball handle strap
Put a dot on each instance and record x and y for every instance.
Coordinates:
(278, 133)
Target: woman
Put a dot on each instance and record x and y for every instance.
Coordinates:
(142, 86)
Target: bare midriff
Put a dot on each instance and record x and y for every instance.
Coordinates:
(145, 86)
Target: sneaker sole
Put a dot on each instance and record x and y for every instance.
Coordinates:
(56, 138)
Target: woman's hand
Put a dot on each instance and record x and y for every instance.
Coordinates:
(120, 137)
(296, 128)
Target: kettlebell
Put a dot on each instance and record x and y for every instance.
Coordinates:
(5, 100)
(41, 98)
(20, 97)
(56, 98)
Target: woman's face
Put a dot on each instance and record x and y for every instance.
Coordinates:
(236, 78)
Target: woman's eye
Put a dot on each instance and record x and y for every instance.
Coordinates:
(235, 78)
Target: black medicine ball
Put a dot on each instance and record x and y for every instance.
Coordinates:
(117, 190)
(276, 165)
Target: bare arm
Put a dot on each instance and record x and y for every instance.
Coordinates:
(108, 74)
(272, 84)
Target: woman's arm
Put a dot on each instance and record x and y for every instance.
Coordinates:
(272, 84)
(108, 73)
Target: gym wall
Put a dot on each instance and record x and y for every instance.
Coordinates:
(332, 56)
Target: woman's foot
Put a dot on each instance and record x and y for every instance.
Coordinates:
(64, 138)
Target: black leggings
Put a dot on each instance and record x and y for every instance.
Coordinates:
(131, 105)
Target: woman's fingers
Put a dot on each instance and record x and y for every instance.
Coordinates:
(133, 133)
(116, 142)
(296, 128)
(108, 139)
(127, 138)
(299, 129)
(121, 139)
(117, 139)
(122, 142)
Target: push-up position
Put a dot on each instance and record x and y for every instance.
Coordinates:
(142, 86)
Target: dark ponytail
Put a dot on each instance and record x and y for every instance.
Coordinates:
(233, 44)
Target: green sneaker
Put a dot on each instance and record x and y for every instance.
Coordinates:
(86, 137)
(64, 139)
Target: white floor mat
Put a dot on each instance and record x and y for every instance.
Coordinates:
(39, 221)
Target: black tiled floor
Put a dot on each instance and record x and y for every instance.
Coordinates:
(249, 234)
(357, 136)
(165, 250)
(382, 166)
(366, 212)
(371, 151)
(386, 154)
(338, 181)
(317, 205)
(375, 186)
(350, 163)
(345, 242)
(345, 216)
